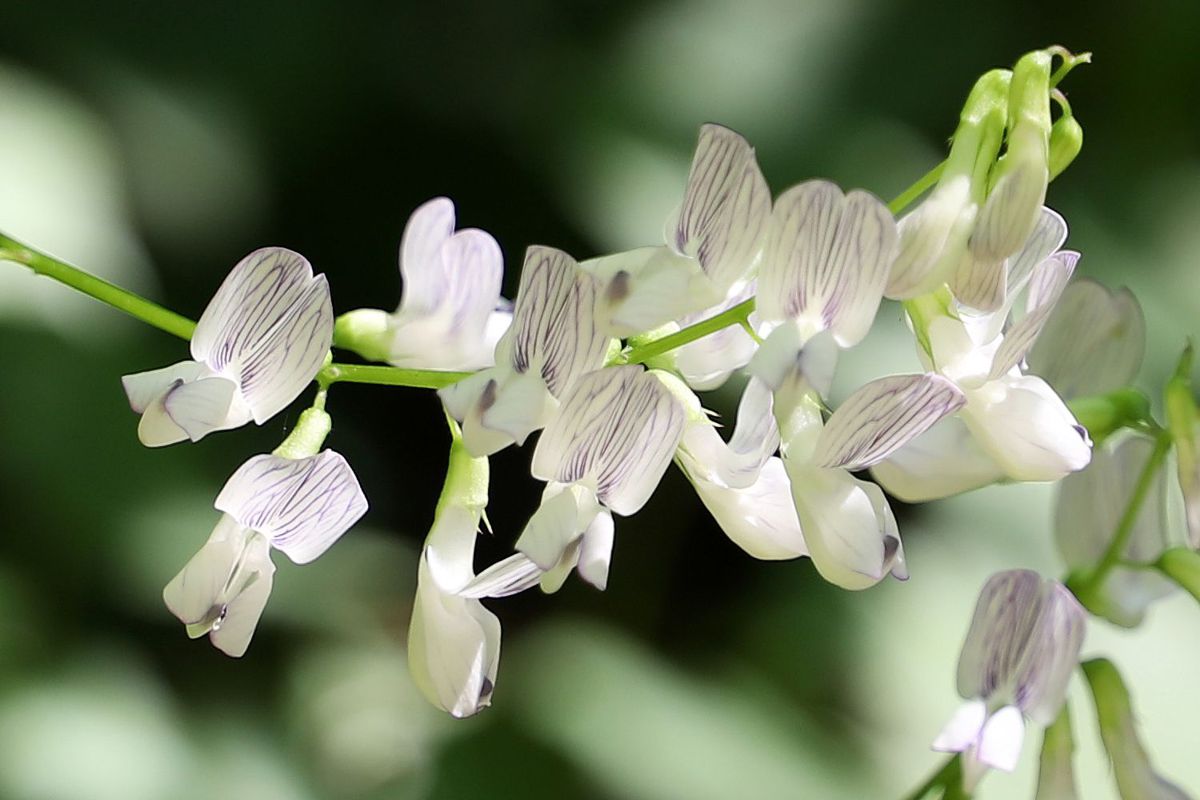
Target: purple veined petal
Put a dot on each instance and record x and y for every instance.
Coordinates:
(1088, 511)
(287, 360)
(962, 730)
(474, 268)
(943, 461)
(1045, 287)
(1049, 234)
(1006, 617)
(726, 207)
(883, 416)
(1052, 654)
(554, 330)
(1011, 213)
(827, 259)
(269, 326)
(617, 429)
(848, 527)
(755, 438)
(204, 406)
(509, 576)
(1027, 429)
(978, 283)
(301, 505)
(1093, 341)
(1001, 738)
(453, 648)
(422, 267)
(143, 388)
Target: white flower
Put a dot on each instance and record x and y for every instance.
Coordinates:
(298, 506)
(742, 484)
(451, 314)
(848, 526)
(604, 453)
(1089, 510)
(1020, 428)
(552, 341)
(453, 641)
(713, 242)
(261, 340)
(1019, 654)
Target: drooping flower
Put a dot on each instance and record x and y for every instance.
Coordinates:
(1135, 774)
(1020, 651)
(453, 641)
(713, 243)
(552, 341)
(1019, 427)
(1088, 514)
(451, 313)
(299, 506)
(604, 453)
(261, 340)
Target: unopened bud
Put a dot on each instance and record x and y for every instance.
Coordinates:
(1066, 140)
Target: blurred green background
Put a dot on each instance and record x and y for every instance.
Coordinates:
(156, 143)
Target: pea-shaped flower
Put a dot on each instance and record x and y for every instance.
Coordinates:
(299, 506)
(261, 340)
(451, 313)
(1020, 651)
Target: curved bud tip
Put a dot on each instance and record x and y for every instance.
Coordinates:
(366, 331)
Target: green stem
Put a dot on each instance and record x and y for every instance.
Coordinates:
(733, 316)
(948, 776)
(926, 181)
(387, 376)
(120, 299)
(1113, 555)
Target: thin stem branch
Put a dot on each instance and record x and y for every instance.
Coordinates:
(121, 299)
(1113, 555)
(387, 376)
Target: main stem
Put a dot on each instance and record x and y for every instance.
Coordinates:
(121, 299)
(949, 775)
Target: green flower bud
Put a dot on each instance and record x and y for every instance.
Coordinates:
(1066, 140)
(366, 331)
(307, 438)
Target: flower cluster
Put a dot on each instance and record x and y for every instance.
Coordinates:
(602, 360)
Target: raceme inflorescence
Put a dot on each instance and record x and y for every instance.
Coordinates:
(1026, 377)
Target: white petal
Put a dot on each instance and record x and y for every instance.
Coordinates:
(269, 326)
(827, 259)
(157, 429)
(1006, 615)
(1011, 214)
(595, 550)
(1052, 655)
(1027, 429)
(204, 406)
(725, 208)
(980, 283)
(643, 289)
(943, 461)
(963, 729)
(786, 357)
(143, 388)
(521, 404)
(301, 505)
(616, 430)
(510, 576)
(453, 648)
(1092, 343)
(759, 518)
(883, 416)
(554, 329)
(421, 264)
(1001, 738)
(1046, 286)
(755, 438)
(563, 515)
(708, 362)
(850, 532)
(1049, 233)
(232, 633)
